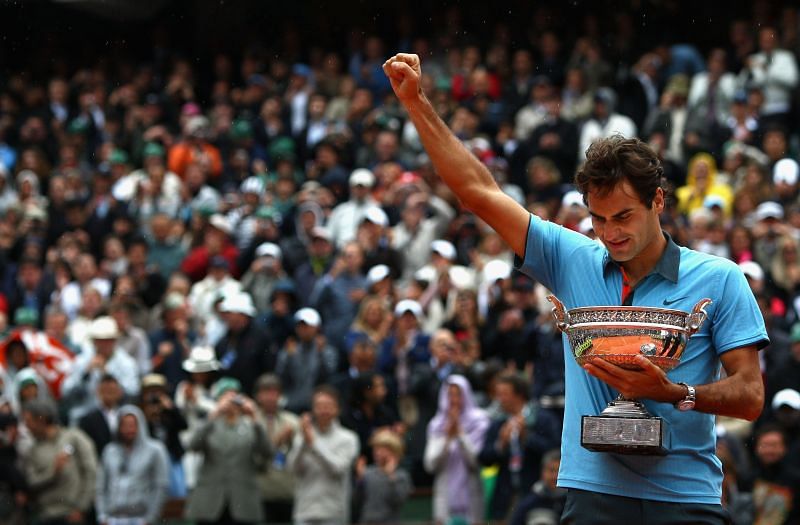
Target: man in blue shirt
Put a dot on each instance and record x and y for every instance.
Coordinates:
(640, 265)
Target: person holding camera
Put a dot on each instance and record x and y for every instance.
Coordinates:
(235, 450)
(165, 423)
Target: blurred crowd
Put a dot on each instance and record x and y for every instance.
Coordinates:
(245, 288)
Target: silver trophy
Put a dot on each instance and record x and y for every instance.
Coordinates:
(618, 334)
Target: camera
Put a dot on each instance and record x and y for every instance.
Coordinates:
(238, 401)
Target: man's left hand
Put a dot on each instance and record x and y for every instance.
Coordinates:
(648, 382)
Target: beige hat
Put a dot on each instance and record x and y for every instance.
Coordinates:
(104, 328)
(154, 381)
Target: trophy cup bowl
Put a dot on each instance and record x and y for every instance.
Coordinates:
(618, 334)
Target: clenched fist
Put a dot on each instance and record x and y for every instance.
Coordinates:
(404, 72)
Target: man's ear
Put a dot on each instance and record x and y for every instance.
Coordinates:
(659, 200)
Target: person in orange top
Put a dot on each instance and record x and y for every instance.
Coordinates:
(195, 148)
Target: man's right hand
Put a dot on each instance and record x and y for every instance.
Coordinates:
(404, 73)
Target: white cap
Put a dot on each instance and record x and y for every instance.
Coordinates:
(408, 305)
(714, 200)
(787, 396)
(201, 359)
(585, 226)
(104, 328)
(308, 316)
(238, 303)
(426, 273)
(269, 249)
(752, 270)
(221, 222)
(444, 248)
(496, 269)
(768, 210)
(377, 273)
(362, 177)
(376, 215)
(572, 198)
(786, 171)
(318, 232)
(461, 277)
(252, 185)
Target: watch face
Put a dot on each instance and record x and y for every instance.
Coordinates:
(686, 405)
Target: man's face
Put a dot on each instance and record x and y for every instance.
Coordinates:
(268, 398)
(104, 347)
(508, 400)
(325, 409)
(550, 473)
(627, 228)
(128, 428)
(109, 393)
(305, 332)
(36, 425)
(770, 448)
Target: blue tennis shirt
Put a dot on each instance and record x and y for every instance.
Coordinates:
(580, 272)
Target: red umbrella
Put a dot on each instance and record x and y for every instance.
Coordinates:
(46, 355)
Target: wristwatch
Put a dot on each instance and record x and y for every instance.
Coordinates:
(687, 403)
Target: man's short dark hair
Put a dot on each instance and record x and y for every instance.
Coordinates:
(519, 385)
(329, 391)
(42, 409)
(613, 160)
(268, 382)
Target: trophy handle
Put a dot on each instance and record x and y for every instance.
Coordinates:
(697, 316)
(559, 313)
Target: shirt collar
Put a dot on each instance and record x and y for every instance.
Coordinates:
(667, 266)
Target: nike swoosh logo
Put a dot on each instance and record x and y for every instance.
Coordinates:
(668, 302)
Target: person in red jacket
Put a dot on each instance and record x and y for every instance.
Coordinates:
(216, 243)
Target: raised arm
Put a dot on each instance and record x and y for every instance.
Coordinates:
(459, 169)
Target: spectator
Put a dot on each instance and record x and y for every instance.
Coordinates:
(165, 424)
(337, 294)
(773, 70)
(244, 351)
(263, 275)
(13, 487)
(604, 122)
(382, 488)
(165, 252)
(775, 485)
(701, 182)
(544, 503)
(346, 217)
(133, 476)
(132, 339)
(171, 343)
(516, 442)
(277, 481)
(306, 361)
(102, 356)
(216, 242)
(320, 259)
(100, 424)
(235, 448)
(60, 467)
(455, 438)
(369, 411)
(424, 218)
(194, 401)
(195, 148)
(322, 458)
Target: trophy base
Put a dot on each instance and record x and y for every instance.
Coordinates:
(624, 427)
